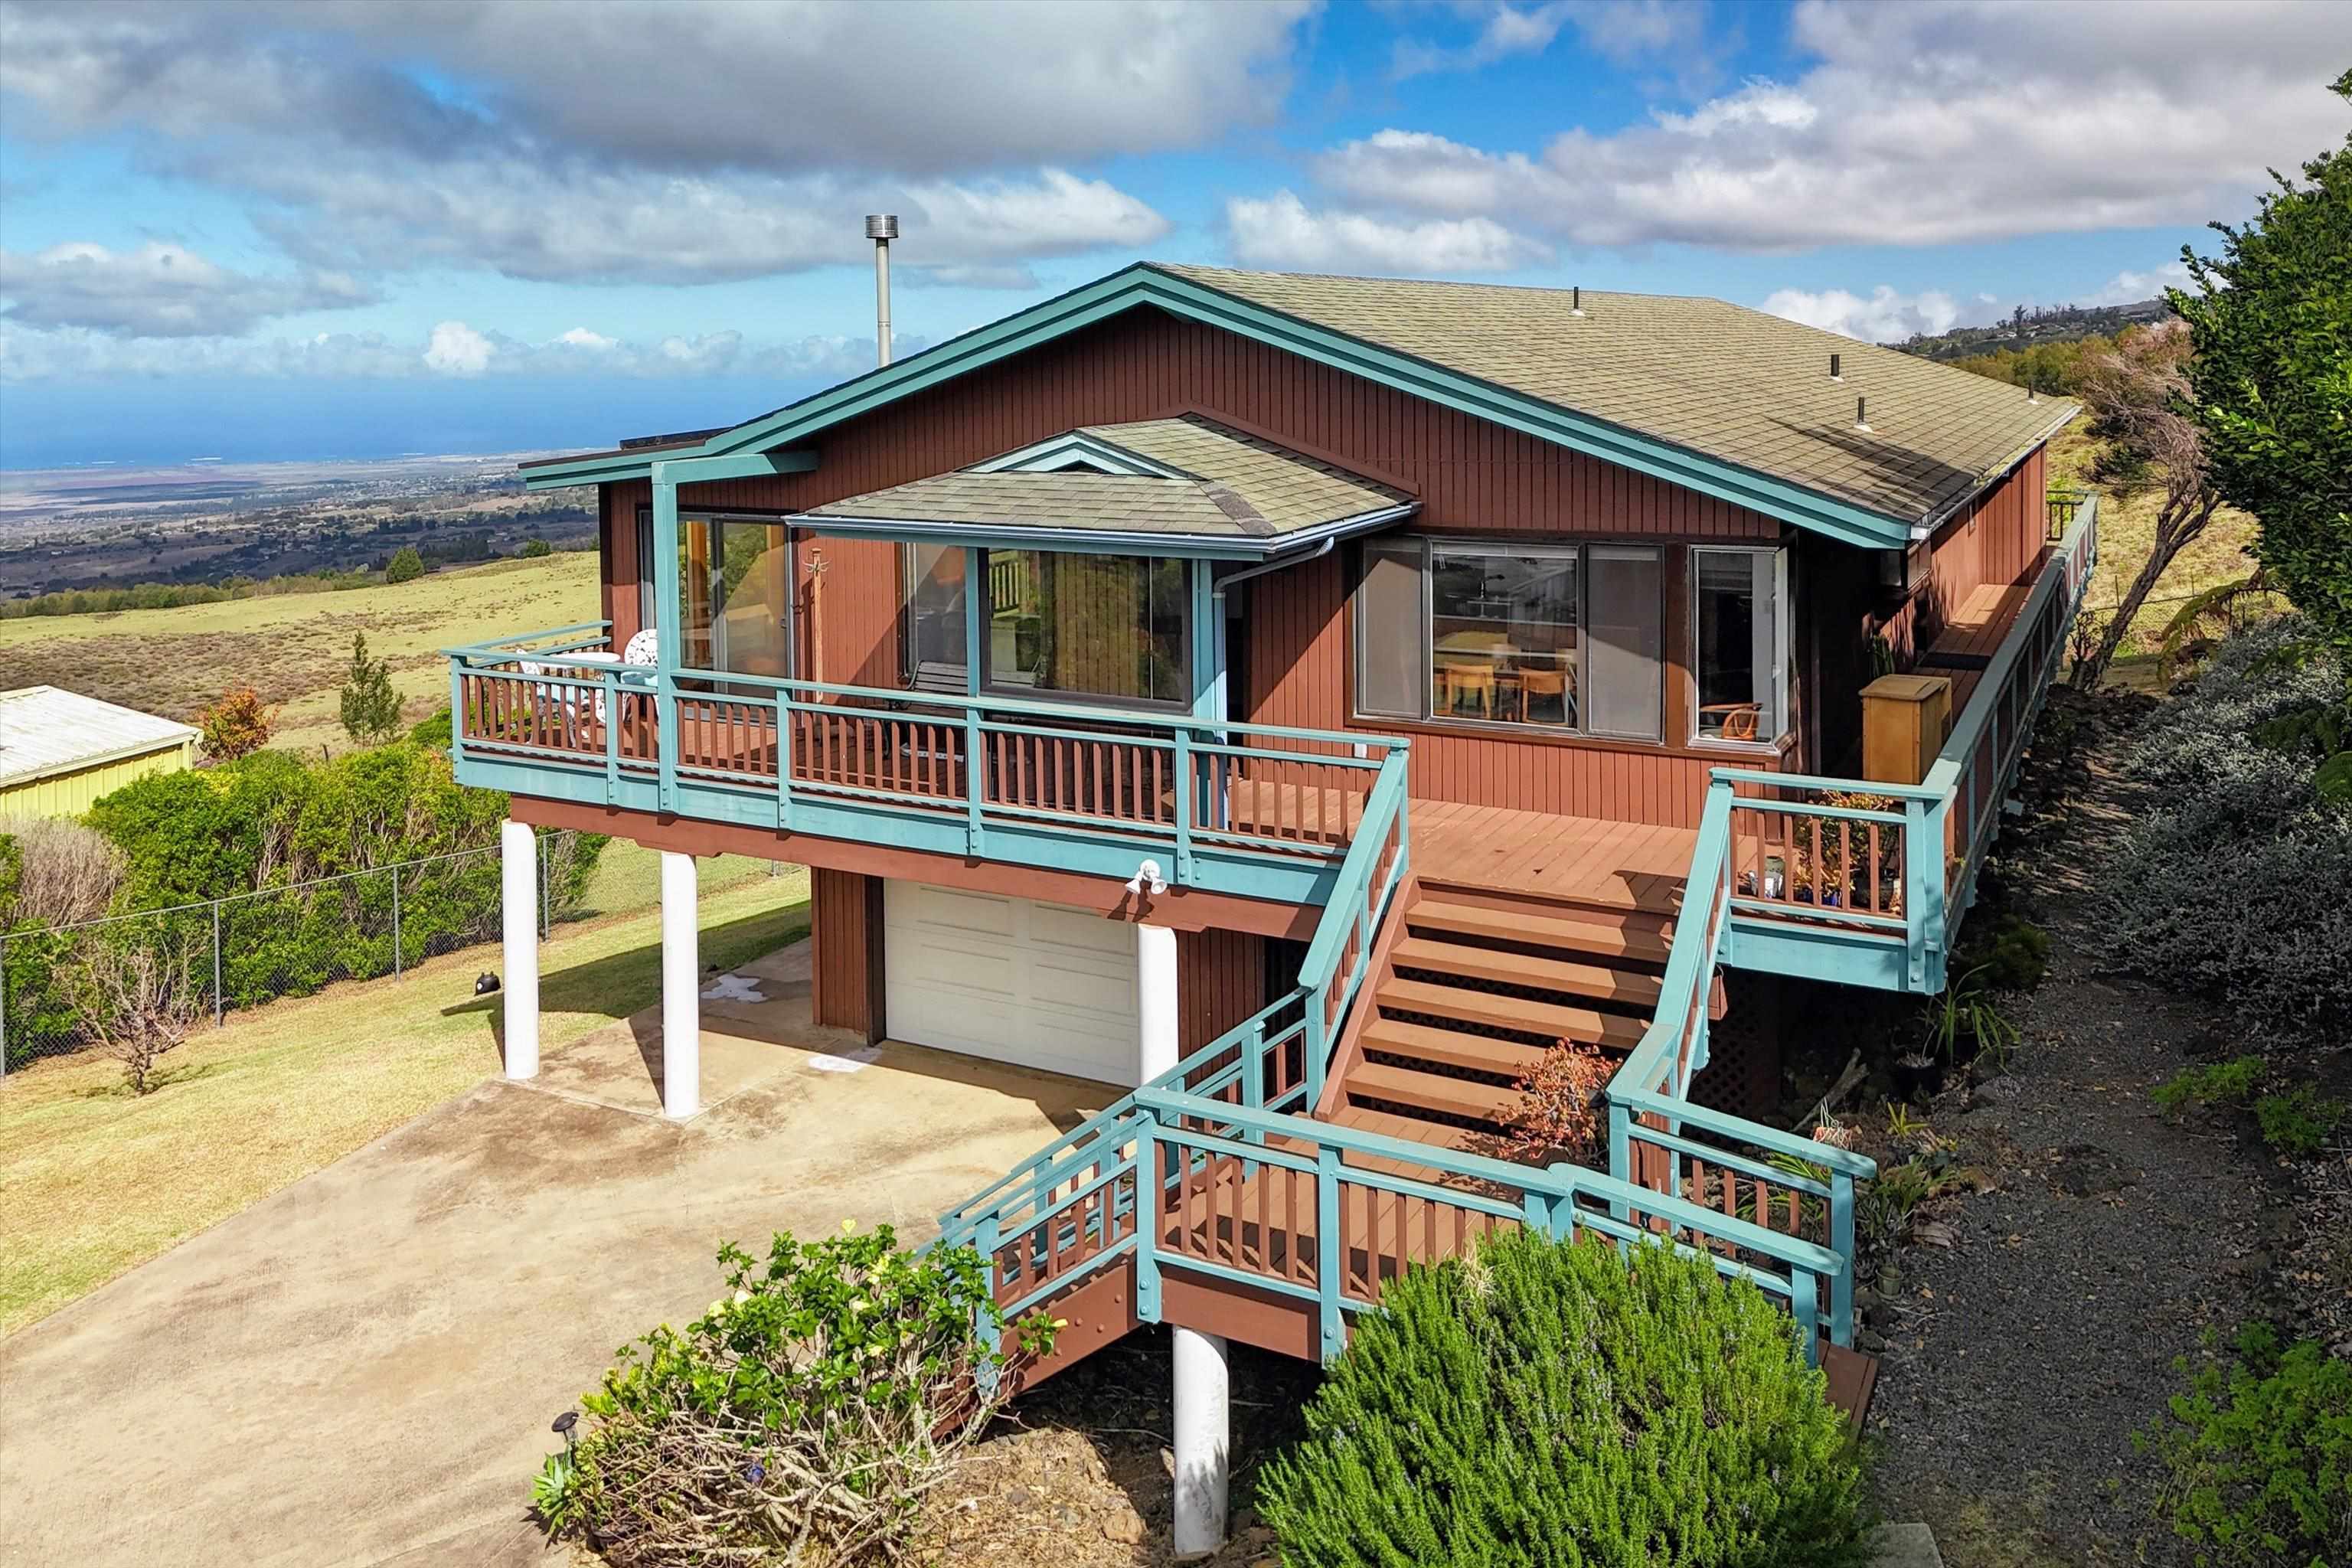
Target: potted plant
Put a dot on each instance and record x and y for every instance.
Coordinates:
(1917, 1072)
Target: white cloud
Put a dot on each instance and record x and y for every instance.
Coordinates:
(1280, 231)
(581, 337)
(1937, 121)
(1886, 317)
(456, 348)
(452, 349)
(1623, 30)
(157, 290)
(2129, 288)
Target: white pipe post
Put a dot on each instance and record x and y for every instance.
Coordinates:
(1202, 1443)
(681, 989)
(1155, 996)
(519, 928)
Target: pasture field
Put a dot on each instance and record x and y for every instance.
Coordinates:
(294, 648)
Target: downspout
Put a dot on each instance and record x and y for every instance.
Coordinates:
(1263, 567)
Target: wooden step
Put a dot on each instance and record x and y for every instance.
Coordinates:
(1538, 931)
(1599, 980)
(1432, 1092)
(1450, 1047)
(1612, 1029)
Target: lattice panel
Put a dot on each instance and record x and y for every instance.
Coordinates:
(1743, 1068)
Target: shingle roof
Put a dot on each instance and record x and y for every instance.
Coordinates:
(45, 729)
(1234, 485)
(1729, 383)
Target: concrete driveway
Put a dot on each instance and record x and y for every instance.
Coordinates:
(361, 1368)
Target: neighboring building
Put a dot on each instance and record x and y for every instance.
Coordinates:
(1430, 642)
(59, 752)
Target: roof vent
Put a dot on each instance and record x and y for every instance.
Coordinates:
(1576, 301)
(2028, 394)
(1860, 419)
(1834, 368)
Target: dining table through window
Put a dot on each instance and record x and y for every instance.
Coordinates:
(1503, 635)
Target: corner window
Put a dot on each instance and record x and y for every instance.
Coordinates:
(1560, 637)
(1739, 633)
(1087, 626)
(935, 617)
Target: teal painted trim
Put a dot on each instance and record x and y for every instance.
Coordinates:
(976, 609)
(613, 468)
(1047, 537)
(1144, 285)
(1206, 647)
(1080, 449)
(1279, 879)
(1877, 961)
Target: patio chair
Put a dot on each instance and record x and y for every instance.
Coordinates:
(1738, 721)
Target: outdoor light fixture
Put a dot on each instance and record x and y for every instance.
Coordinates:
(1147, 879)
(563, 1427)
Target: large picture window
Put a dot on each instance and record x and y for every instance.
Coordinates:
(935, 617)
(1739, 632)
(1108, 627)
(1560, 638)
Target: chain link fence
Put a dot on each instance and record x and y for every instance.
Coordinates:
(224, 954)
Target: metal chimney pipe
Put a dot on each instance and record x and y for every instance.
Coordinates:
(882, 228)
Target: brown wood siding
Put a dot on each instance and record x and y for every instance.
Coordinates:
(616, 534)
(1997, 538)
(1471, 477)
(1219, 982)
(845, 929)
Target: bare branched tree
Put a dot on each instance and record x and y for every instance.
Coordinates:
(66, 873)
(138, 1002)
(2138, 396)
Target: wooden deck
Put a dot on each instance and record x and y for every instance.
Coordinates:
(1576, 860)
(1970, 637)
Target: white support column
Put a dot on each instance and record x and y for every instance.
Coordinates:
(1155, 998)
(519, 928)
(681, 989)
(1202, 1443)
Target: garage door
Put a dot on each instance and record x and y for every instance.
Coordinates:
(1040, 985)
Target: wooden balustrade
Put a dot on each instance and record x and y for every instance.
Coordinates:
(1819, 851)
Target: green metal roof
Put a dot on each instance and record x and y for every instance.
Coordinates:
(1724, 401)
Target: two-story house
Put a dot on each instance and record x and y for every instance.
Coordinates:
(1305, 702)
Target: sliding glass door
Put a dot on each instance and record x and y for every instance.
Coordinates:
(735, 598)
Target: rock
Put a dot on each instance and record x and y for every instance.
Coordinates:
(1870, 1343)
(2088, 1170)
(1994, 1092)
(1904, 1546)
(1019, 1497)
(1125, 1528)
(1877, 1315)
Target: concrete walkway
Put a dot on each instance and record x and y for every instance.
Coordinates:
(361, 1368)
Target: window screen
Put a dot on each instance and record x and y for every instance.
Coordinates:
(1391, 632)
(1625, 682)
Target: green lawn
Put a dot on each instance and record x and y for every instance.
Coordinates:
(94, 1181)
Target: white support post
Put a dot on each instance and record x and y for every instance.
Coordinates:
(681, 989)
(519, 926)
(1155, 995)
(1202, 1443)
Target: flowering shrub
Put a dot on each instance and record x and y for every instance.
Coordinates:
(2230, 880)
(1558, 1115)
(806, 1414)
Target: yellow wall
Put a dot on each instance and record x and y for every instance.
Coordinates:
(70, 794)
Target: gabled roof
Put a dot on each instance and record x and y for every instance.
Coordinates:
(1187, 479)
(1725, 401)
(46, 729)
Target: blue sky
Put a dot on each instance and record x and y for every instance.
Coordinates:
(261, 228)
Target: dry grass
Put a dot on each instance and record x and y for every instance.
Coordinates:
(2126, 532)
(294, 647)
(98, 1181)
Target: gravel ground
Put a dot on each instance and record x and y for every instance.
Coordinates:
(2020, 1359)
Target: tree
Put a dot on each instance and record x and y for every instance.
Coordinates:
(535, 547)
(2139, 397)
(236, 726)
(2272, 382)
(138, 1002)
(370, 706)
(406, 565)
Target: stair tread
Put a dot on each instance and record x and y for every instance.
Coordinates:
(1510, 1011)
(1433, 1092)
(1479, 1053)
(1518, 925)
(1601, 981)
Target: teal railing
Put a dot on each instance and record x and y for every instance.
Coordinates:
(1260, 810)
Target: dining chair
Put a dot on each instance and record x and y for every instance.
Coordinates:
(1738, 720)
(1536, 681)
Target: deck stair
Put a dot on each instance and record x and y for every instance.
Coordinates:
(1472, 990)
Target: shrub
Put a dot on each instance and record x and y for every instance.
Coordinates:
(2228, 882)
(370, 708)
(406, 565)
(534, 547)
(810, 1410)
(1548, 1403)
(2299, 1122)
(1559, 1116)
(237, 725)
(437, 732)
(2012, 955)
(55, 872)
(2232, 1082)
(138, 1002)
(2258, 1457)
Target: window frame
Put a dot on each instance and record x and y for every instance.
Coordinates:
(1783, 640)
(1580, 550)
(982, 656)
